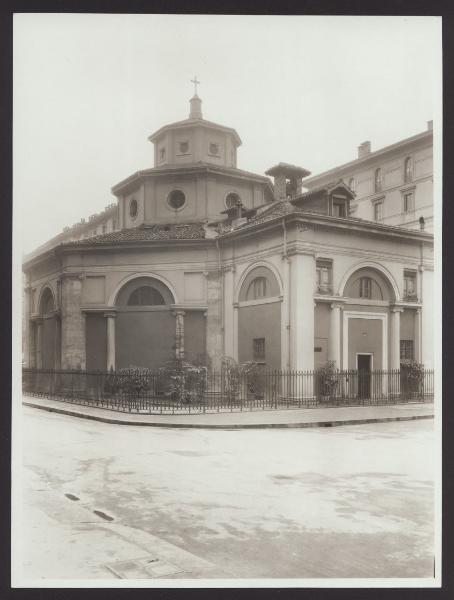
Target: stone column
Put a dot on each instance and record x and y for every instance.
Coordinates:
(229, 311)
(417, 337)
(285, 315)
(110, 316)
(394, 342)
(302, 285)
(179, 334)
(57, 342)
(39, 342)
(235, 331)
(334, 335)
(73, 323)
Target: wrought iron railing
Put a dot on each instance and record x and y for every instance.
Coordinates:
(156, 392)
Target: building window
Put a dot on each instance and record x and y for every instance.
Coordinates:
(162, 154)
(351, 184)
(145, 296)
(232, 200)
(133, 208)
(184, 147)
(409, 285)
(114, 225)
(324, 276)
(409, 204)
(339, 209)
(365, 287)
(378, 180)
(257, 288)
(408, 170)
(214, 149)
(406, 350)
(176, 199)
(258, 349)
(378, 211)
(104, 227)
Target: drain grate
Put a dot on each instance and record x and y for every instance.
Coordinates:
(103, 515)
(72, 497)
(149, 567)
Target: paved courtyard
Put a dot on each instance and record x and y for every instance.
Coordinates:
(352, 501)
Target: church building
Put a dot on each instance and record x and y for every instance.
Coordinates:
(208, 260)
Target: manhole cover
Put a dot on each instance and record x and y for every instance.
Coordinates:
(143, 568)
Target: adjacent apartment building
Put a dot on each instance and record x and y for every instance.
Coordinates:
(393, 185)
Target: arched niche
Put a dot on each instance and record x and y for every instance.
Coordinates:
(144, 291)
(259, 283)
(367, 283)
(46, 302)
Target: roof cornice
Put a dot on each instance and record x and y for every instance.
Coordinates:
(189, 123)
(425, 135)
(188, 170)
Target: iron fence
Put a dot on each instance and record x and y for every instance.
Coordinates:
(203, 390)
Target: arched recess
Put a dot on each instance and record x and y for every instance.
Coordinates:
(136, 276)
(145, 323)
(47, 336)
(259, 295)
(269, 270)
(382, 273)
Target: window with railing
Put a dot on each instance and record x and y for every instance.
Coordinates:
(324, 276)
(410, 292)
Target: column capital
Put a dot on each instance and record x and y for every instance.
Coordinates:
(110, 314)
(334, 305)
(236, 305)
(178, 313)
(396, 309)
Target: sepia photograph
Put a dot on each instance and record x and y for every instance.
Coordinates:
(227, 301)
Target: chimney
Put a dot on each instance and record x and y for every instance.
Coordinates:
(430, 125)
(363, 149)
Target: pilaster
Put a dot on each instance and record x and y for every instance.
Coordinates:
(73, 323)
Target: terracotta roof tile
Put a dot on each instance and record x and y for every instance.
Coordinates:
(144, 233)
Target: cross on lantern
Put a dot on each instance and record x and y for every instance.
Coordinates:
(195, 82)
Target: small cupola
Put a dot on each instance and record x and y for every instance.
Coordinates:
(196, 108)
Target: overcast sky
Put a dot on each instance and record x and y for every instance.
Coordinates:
(90, 89)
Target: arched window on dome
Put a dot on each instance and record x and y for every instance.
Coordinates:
(145, 296)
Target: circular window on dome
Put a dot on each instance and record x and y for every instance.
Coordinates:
(232, 200)
(176, 199)
(133, 208)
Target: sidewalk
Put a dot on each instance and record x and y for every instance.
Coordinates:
(306, 417)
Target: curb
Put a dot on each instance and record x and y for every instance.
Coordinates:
(64, 411)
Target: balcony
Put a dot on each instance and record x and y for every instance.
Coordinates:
(410, 297)
(325, 289)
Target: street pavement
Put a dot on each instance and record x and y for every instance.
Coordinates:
(352, 501)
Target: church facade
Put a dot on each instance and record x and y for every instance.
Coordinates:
(209, 260)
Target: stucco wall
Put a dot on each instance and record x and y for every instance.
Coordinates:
(365, 336)
(260, 321)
